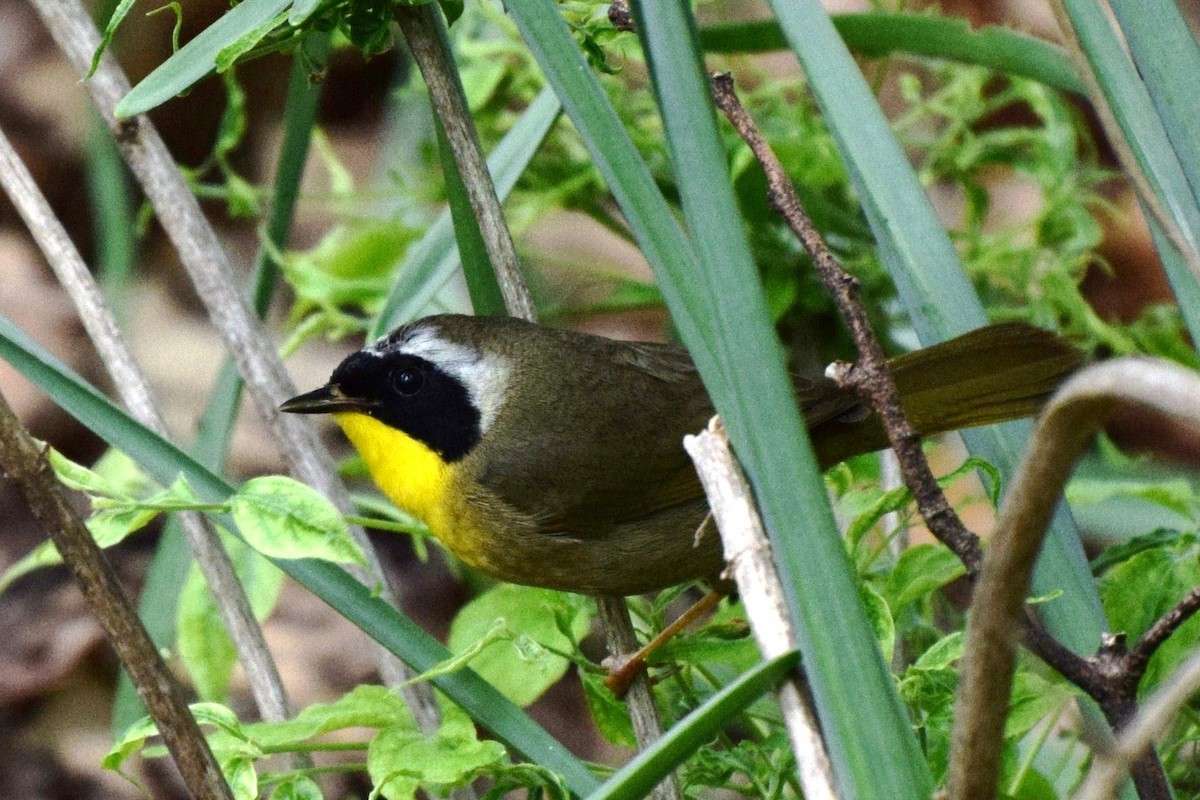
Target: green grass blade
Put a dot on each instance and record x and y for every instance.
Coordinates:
(113, 215)
(486, 298)
(867, 730)
(432, 261)
(395, 631)
(646, 212)
(1164, 48)
(695, 731)
(879, 34)
(1135, 113)
(198, 58)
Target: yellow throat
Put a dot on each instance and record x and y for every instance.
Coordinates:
(412, 476)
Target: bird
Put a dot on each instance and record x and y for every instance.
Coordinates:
(554, 458)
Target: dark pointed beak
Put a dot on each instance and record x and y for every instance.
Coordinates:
(326, 400)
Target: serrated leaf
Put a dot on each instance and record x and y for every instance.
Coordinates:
(282, 518)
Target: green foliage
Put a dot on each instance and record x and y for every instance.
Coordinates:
(956, 126)
(539, 624)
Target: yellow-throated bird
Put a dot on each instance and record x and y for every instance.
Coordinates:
(555, 459)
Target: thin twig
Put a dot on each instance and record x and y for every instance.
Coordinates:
(1140, 654)
(870, 377)
(1066, 426)
(748, 555)
(208, 266)
(131, 384)
(26, 465)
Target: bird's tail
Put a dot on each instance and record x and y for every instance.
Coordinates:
(993, 374)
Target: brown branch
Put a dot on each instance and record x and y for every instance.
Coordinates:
(1065, 428)
(870, 377)
(26, 465)
(1140, 654)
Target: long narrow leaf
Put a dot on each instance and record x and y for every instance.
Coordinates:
(1163, 48)
(930, 280)
(650, 766)
(198, 58)
(392, 629)
(878, 34)
(868, 733)
(482, 286)
(1143, 129)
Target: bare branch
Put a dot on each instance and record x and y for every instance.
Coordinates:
(870, 377)
(748, 554)
(134, 390)
(647, 725)
(26, 465)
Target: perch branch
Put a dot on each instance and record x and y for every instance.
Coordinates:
(748, 555)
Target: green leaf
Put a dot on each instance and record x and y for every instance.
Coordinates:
(610, 714)
(204, 645)
(282, 518)
(198, 58)
(920, 570)
(114, 21)
(80, 478)
(521, 673)
(364, 706)
(297, 787)
(880, 617)
(241, 776)
(1124, 551)
(400, 760)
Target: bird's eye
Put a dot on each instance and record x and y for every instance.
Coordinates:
(408, 381)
